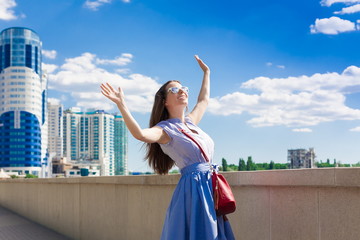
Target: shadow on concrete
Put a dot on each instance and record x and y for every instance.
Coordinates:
(16, 227)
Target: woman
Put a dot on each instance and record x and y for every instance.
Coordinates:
(191, 214)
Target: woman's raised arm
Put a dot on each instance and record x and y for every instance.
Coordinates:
(203, 99)
(148, 135)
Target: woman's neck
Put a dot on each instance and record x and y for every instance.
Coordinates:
(177, 114)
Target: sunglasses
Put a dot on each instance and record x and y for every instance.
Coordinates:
(176, 89)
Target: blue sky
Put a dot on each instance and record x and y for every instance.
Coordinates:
(285, 74)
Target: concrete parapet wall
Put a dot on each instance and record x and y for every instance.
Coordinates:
(306, 204)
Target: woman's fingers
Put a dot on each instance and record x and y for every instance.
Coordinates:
(110, 87)
(105, 94)
(104, 89)
(202, 65)
(199, 60)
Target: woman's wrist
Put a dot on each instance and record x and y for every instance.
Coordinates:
(121, 105)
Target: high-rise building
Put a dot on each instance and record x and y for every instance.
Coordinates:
(120, 146)
(23, 103)
(90, 138)
(55, 130)
(301, 158)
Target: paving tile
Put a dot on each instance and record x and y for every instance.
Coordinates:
(15, 227)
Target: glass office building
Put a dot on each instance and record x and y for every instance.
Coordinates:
(95, 138)
(23, 94)
(120, 146)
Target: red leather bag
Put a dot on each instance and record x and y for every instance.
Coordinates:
(224, 199)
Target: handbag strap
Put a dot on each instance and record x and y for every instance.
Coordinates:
(193, 139)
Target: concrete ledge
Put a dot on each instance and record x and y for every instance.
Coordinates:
(330, 177)
(304, 204)
(171, 179)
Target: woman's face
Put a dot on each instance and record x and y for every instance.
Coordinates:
(176, 95)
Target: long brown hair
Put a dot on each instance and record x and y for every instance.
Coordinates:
(158, 160)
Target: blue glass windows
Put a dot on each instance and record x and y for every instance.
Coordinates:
(28, 55)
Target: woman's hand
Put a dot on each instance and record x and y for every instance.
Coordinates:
(204, 95)
(116, 96)
(202, 65)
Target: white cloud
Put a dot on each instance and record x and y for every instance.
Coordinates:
(293, 101)
(51, 54)
(6, 12)
(94, 5)
(356, 129)
(123, 71)
(328, 3)
(123, 60)
(100, 105)
(270, 64)
(49, 68)
(349, 10)
(54, 101)
(81, 76)
(332, 26)
(304, 130)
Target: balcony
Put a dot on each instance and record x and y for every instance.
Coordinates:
(306, 204)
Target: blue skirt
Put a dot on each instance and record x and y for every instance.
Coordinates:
(191, 214)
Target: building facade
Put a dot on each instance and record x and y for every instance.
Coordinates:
(120, 146)
(301, 158)
(55, 130)
(23, 104)
(92, 138)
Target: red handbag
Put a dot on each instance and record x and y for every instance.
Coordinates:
(224, 199)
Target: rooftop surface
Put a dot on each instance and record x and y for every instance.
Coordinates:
(14, 227)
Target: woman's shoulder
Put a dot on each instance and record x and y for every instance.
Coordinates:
(163, 123)
(169, 124)
(169, 127)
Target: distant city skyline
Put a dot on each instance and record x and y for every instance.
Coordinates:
(95, 138)
(284, 74)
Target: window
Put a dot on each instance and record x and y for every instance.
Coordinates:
(28, 55)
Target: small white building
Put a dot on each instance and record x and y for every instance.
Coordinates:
(3, 174)
(83, 170)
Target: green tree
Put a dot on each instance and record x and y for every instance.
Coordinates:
(31, 176)
(242, 165)
(326, 164)
(250, 165)
(356, 164)
(272, 165)
(261, 166)
(175, 171)
(224, 165)
(281, 166)
(232, 167)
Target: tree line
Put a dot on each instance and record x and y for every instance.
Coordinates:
(250, 165)
(335, 163)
